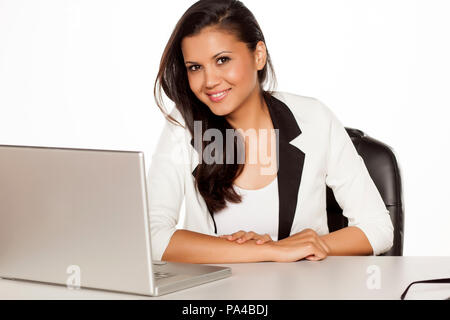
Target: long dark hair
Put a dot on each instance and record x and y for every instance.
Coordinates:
(213, 181)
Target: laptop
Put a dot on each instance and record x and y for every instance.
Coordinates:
(80, 218)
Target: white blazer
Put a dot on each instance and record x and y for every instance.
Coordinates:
(314, 151)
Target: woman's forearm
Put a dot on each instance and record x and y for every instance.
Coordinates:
(349, 241)
(192, 247)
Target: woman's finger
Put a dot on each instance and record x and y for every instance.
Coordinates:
(236, 235)
(311, 235)
(315, 252)
(247, 236)
(263, 239)
(243, 236)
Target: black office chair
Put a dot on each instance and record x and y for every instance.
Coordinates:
(384, 170)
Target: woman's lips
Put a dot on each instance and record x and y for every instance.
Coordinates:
(223, 95)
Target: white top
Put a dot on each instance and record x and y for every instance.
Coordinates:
(330, 159)
(258, 212)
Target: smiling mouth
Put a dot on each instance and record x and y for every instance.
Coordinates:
(220, 96)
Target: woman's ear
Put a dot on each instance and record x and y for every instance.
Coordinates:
(260, 55)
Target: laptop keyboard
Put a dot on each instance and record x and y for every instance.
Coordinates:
(162, 275)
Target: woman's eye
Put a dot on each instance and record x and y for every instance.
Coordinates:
(223, 58)
(194, 68)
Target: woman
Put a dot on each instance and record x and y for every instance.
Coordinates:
(239, 209)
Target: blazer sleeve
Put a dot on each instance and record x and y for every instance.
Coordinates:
(354, 189)
(165, 183)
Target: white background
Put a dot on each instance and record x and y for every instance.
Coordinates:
(81, 74)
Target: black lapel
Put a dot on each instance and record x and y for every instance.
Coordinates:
(290, 160)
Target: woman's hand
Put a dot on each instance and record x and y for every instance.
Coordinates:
(305, 244)
(242, 236)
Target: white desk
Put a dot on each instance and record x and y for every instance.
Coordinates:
(332, 278)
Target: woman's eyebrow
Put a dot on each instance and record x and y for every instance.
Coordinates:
(211, 58)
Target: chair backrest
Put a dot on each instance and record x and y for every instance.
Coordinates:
(382, 165)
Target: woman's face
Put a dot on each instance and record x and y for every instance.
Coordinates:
(217, 63)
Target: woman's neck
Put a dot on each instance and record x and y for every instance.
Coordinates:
(252, 114)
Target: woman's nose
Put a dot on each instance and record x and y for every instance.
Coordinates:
(212, 78)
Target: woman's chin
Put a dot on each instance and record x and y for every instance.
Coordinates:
(220, 112)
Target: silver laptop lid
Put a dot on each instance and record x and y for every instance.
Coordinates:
(75, 212)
